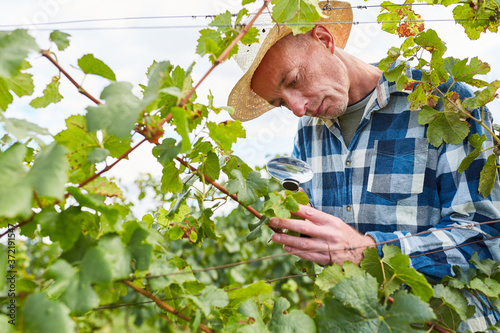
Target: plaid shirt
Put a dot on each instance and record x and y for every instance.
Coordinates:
(390, 182)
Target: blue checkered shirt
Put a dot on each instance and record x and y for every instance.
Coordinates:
(390, 182)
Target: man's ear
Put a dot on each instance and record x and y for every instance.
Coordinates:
(323, 35)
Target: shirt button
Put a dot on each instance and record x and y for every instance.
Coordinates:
(348, 163)
(348, 208)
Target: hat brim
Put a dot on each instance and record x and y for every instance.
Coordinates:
(246, 103)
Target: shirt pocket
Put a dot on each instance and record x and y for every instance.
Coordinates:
(397, 168)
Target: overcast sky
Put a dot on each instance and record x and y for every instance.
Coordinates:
(130, 51)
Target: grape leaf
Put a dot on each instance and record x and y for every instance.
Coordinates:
(486, 266)
(444, 126)
(274, 206)
(215, 42)
(62, 273)
(158, 74)
(208, 37)
(211, 166)
(98, 155)
(392, 55)
(250, 310)
(297, 11)
(247, 189)
(50, 95)
(49, 172)
(418, 97)
(226, 133)
(181, 126)
(476, 21)
(141, 251)
(295, 321)
(43, 315)
(484, 96)
(61, 39)
(210, 297)
(293, 199)
(22, 129)
(476, 142)
(463, 72)
(453, 299)
(389, 21)
(78, 295)
(329, 277)
(487, 176)
(255, 289)
(207, 223)
(110, 259)
(47, 177)
(104, 187)
(487, 286)
(167, 151)
(91, 65)
(356, 309)
(120, 112)
(167, 273)
(393, 270)
(255, 228)
(22, 83)
(94, 267)
(234, 162)
(81, 143)
(66, 230)
(430, 41)
(171, 181)
(249, 38)
(96, 202)
(15, 192)
(14, 48)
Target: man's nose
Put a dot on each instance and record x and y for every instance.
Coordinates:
(297, 103)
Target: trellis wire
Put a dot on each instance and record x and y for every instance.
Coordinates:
(196, 16)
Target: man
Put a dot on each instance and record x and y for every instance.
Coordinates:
(376, 177)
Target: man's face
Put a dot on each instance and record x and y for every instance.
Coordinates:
(302, 74)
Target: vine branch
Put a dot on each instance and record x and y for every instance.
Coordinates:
(47, 54)
(164, 305)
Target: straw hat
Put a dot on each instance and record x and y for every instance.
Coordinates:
(246, 103)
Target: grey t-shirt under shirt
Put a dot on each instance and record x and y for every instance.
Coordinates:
(350, 120)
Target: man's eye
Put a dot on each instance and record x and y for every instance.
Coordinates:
(282, 103)
(294, 81)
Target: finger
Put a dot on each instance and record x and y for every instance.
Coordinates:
(300, 243)
(319, 258)
(323, 257)
(314, 215)
(301, 226)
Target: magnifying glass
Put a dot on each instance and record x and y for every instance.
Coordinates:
(290, 172)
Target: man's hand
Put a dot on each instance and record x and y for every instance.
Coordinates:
(332, 240)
